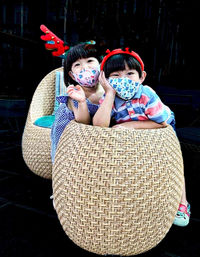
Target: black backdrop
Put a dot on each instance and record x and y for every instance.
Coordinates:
(161, 31)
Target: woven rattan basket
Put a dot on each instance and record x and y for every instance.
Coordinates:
(36, 143)
(116, 191)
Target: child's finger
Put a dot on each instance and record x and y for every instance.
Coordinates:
(70, 86)
(101, 76)
(70, 93)
(78, 87)
(69, 90)
(104, 78)
(101, 80)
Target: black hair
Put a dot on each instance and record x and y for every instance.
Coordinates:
(77, 52)
(117, 63)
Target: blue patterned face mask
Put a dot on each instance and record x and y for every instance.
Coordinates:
(124, 87)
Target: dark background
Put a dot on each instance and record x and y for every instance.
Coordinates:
(163, 32)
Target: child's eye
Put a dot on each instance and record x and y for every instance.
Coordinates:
(130, 73)
(114, 75)
(76, 64)
(90, 60)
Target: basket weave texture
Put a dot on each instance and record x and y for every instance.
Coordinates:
(116, 191)
(36, 142)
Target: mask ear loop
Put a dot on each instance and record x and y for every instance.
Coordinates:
(71, 75)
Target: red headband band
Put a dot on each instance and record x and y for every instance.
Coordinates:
(120, 51)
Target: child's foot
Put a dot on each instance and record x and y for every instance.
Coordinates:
(182, 217)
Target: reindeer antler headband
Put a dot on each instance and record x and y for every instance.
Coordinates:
(53, 43)
(120, 51)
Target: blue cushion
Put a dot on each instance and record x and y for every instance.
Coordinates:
(45, 121)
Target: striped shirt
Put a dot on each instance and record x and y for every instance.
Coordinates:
(146, 105)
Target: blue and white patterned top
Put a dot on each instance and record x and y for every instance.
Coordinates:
(62, 117)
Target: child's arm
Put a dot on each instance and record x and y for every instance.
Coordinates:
(146, 124)
(103, 114)
(81, 113)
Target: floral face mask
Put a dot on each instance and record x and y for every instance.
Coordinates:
(87, 77)
(124, 87)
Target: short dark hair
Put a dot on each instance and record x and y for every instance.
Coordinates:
(117, 63)
(77, 52)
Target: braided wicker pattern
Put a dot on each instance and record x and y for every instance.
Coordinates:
(36, 142)
(116, 191)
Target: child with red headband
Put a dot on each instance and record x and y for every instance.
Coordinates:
(129, 104)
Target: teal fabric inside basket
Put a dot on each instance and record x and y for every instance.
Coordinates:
(45, 121)
(60, 89)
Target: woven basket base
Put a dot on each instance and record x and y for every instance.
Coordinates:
(116, 191)
(36, 149)
(36, 142)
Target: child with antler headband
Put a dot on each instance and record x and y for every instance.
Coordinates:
(131, 105)
(81, 77)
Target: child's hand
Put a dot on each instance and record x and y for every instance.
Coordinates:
(105, 84)
(76, 93)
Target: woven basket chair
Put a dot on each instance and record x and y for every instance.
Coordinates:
(116, 191)
(36, 143)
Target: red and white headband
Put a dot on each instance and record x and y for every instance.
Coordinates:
(120, 51)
